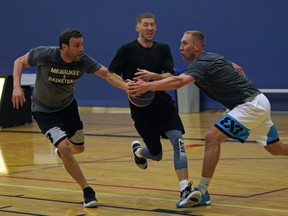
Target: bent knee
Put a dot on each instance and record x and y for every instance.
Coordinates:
(158, 157)
(66, 147)
(76, 149)
(215, 136)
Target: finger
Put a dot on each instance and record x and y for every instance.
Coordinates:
(22, 101)
(136, 78)
(13, 102)
(133, 93)
(16, 105)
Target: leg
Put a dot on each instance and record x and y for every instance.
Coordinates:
(57, 127)
(72, 167)
(153, 149)
(187, 196)
(141, 154)
(213, 140)
(180, 158)
(277, 148)
(65, 147)
(150, 135)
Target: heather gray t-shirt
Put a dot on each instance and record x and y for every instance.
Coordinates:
(55, 79)
(219, 80)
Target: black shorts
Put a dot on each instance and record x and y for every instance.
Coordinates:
(153, 121)
(67, 121)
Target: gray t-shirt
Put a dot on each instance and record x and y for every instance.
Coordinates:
(219, 80)
(55, 79)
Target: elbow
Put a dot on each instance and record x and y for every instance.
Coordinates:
(179, 84)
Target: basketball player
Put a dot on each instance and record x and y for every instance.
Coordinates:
(149, 60)
(53, 104)
(249, 113)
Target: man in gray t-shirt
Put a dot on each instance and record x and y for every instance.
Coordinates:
(53, 104)
(217, 77)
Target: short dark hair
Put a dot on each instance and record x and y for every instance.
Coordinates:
(197, 35)
(143, 16)
(67, 34)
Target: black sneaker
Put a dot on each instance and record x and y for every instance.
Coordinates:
(90, 200)
(140, 162)
(188, 197)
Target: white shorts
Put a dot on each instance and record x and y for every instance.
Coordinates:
(252, 118)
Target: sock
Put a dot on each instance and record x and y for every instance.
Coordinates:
(88, 190)
(183, 184)
(138, 153)
(203, 184)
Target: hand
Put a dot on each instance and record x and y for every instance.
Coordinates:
(144, 75)
(18, 97)
(138, 87)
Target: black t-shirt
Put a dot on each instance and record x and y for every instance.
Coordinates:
(161, 115)
(133, 55)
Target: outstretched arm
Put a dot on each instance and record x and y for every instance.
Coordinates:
(102, 72)
(115, 80)
(170, 83)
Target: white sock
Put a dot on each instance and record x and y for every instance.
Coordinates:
(138, 153)
(183, 184)
(203, 184)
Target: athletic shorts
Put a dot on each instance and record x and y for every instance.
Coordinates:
(61, 124)
(252, 118)
(153, 121)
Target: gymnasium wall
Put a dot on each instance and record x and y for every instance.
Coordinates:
(252, 33)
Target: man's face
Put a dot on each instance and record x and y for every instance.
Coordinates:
(75, 49)
(188, 47)
(146, 29)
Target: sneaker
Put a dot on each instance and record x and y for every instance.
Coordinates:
(57, 153)
(205, 199)
(140, 162)
(90, 200)
(188, 197)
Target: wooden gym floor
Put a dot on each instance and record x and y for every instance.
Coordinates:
(248, 181)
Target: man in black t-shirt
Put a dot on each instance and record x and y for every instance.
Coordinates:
(149, 60)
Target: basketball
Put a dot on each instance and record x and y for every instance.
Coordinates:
(142, 100)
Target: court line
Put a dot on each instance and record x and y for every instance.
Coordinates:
(170, 211)
(252, 208)
(21, 213)
(129, 196)
(146, 188)
(119, 136)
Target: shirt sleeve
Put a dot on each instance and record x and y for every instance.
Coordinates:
(196, 70)
(91, 65)
(118, 63)
(36, 56)
(168, 62)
